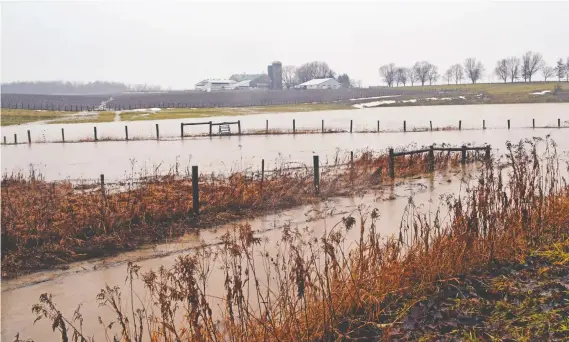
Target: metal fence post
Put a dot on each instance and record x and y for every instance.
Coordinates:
(262, 173)
(293, 126)
(351, 125)
(29, 137)
(558, 123)
(508, 123)
(181, 130)
(316, 174)
(377, 126)
(322, 126)
(210, 128)
(157, 132)
(195, 190)
(95, 133)
(126, 132)
(533, 123)
(431, 125)
(62, 135)
(404, 126)
(239, 126)
(460, 125)
(483, 124)
(266, 126)
(15, 139)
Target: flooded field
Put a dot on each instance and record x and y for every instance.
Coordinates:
(82, 281)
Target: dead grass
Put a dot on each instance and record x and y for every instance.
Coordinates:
(319, 289)
(45, 224)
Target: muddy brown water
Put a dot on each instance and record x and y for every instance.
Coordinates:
(119, 160)
(81, 282)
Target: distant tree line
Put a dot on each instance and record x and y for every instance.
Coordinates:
(512, 69)
(74, 88)
(293, 76)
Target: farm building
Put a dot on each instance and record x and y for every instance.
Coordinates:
(214, 85)
(320, 83)
(246, 81)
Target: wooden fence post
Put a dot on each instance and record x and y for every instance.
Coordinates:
(195, 190)
(95, 133)
(103, 187)
(126, 132)
(431, 125)
(351, 125)
(488, 153)
(293, 126)
(508, 123)
(404, 126)
(316, 174)
(431, 159)
(463, 159)
(15, 139)
(210, 128)
(391, 163)
(352, 159)
(483, 124)
(460, 125)
(533, 122)
(29, 137)
(62, 135)
(239, 126)
(157, 132)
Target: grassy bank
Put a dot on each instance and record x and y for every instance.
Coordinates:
(494, 268)
(22, 116)
(48, 224)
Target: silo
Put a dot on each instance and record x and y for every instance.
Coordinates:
(277, 75)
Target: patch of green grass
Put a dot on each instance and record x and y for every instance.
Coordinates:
(95, 117)
(22, 116)
(497, 88)
(180, 113)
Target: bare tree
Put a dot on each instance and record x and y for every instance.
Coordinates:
(473, 69)
(501, 69)
(458, 73)
(356, 83)
(433, 74)
(387, 72)
(448, 75)
(289, 76)
(513, 66)
(531, 63)
(401, 76)
(560, 69)
(567, 70)
(411, 75)
(312, 70)
(422, 71)
(547, 72)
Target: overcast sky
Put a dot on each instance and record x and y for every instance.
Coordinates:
(178, 44)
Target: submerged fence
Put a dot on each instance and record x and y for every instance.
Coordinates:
(225, 129)
(316, 167)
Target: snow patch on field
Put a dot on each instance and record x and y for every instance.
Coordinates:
(543, 92)
(373, 104)
(141, 110)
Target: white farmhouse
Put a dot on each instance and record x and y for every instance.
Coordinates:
(214, 85)
(320, 83)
